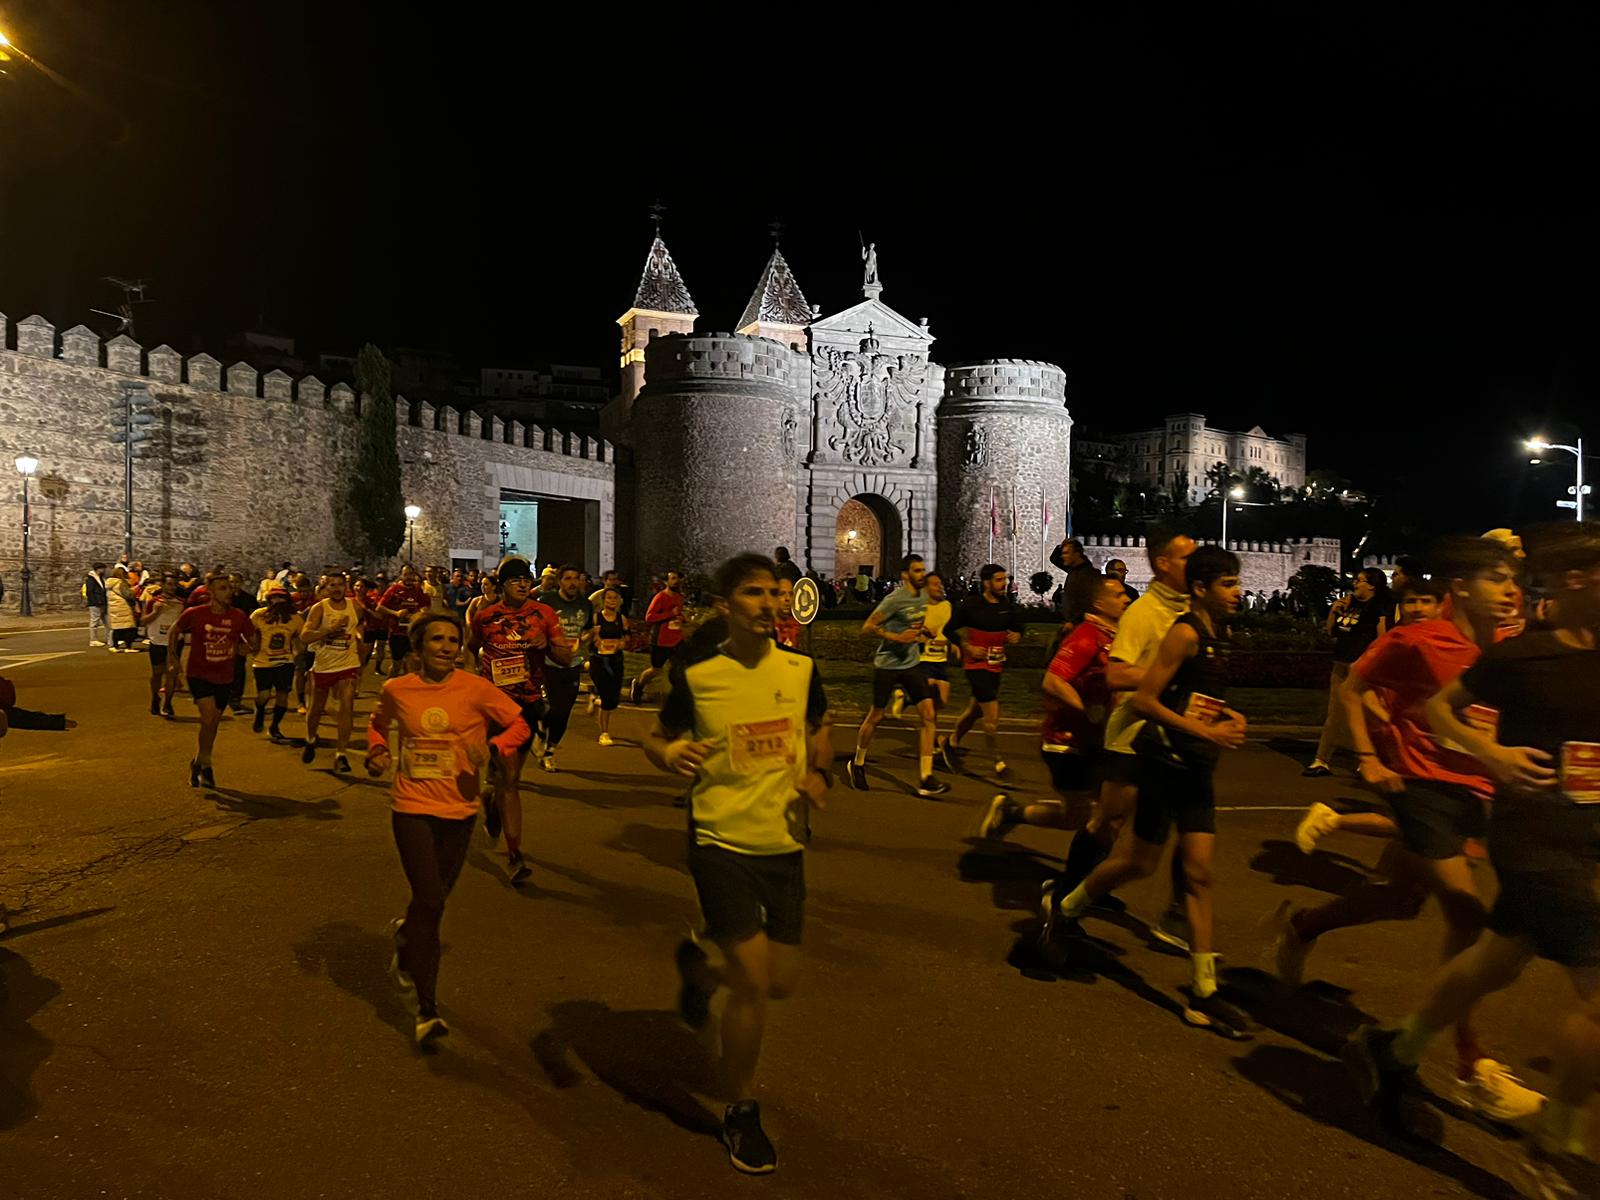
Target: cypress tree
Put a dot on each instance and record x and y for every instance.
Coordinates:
(375, 494)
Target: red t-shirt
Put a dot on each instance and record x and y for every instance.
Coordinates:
(665, 617)
(216, 637)
(509, 663)
(1081, 661)
(1413, 663)
(409, 600)
(787, 631)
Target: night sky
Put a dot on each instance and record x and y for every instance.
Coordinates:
(1383, 237)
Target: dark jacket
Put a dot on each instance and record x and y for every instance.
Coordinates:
(94, 592)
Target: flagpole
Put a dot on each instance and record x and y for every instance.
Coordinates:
(1044, 524)
(991, 522)
(1014, 532)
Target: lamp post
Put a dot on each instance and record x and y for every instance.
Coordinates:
(1238, 494)
(412, 513)
(1540, 446)
(26, 466)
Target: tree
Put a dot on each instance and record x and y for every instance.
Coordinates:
(375, 495)
(1313, 586)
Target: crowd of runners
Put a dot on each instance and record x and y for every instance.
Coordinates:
(1466, 690)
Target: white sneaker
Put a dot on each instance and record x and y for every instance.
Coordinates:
(548, 762)
(97, 643)
(1494, 1092)
(1318, 823)
(605, 740)
(594, 705)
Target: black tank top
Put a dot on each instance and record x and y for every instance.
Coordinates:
(1206, 674)
(608, 630)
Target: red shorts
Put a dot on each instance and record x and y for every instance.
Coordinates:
(326, 681)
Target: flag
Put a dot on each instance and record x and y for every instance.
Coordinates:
(994, 515)
(1015, 526)
(1044, 512)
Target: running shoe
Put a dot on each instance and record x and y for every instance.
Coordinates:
(749, 1148)
(605, 740)
(1379, 1077)
(520, 871)
(166, 711)
(97, 643)
(260, 722)
(931, 787)
(206, 777)
(1216, 1014)
(402, 981)
(1289, 950)
(694, 999)
(1318, 823)
(1494, 1092)
(1001, 770)
(491, 818)
(950, 753)
(341, 764)
(594, 705)
(855, 774)
(635, 692)
(897, 704)
(429, 1028)
(194, 772)
(1545, 1174)
(155, 708)
(1317, 770)
(309, 754)
(998, 818)
(548, 761)
(239, 710)
(1173, 930)
(1048, 911)
(301, 709)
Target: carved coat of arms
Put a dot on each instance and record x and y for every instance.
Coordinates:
(873, 398)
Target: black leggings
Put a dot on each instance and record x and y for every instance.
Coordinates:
(560, 693)
(432, 853)
(607, 671)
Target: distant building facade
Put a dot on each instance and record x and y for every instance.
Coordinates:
(1176, 455)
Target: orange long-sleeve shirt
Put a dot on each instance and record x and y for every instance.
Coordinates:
(437, 723)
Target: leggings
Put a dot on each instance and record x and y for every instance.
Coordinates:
(560, 691)
(607, 672)
(432, 853)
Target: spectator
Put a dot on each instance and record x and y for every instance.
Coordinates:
(94, 597)
(862, 587)
(1406, 571)
(1068, 557)
(1118, 570)
(120, 610)
(787, 568)
(1275, 602)
(1355, 621)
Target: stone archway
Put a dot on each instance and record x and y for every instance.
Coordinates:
(867, 534)
(903, 519)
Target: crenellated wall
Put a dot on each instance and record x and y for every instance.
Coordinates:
(244, 469)
(1265, 566)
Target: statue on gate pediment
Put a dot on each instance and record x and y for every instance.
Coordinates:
(868, 394)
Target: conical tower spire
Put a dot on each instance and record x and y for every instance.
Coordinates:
(661, 305)
(661, 288)
(778, 299)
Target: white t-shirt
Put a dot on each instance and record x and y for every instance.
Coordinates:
(337, 651)
(166, 617)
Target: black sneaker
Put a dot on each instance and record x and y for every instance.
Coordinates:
(341, 764)
(275, 736)
(520, 871)
(950, 754)
(155, 708)
(166, 711)
(856, 775)
(1379, 1077)
(1216, 1014)
(491, 818)
(194, 772)
(207, 778)
(635, 692)
(694, 999)
(309, 754)
(999, 818)
(931, 787)
(749, 1148)
(240, 710)
(260, 722)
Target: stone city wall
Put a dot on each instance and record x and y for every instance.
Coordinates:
(239, 469)
(1265, 566)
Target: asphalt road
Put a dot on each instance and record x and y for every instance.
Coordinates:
(196, 1004)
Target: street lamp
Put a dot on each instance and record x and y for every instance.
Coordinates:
(1540, 446)
(26, 466)
(412, 513)
(1238, 494)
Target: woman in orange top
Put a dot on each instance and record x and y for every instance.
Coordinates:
(433, 727)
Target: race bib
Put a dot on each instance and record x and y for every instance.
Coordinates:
(938, 646)
(762, 745)
(505, 672)
(996, 656)
(609, 645)
(674, 624)
(428, 758)
(1484, 719)
(1203, 708)
(1580, 771)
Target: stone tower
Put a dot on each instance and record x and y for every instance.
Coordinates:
(662, 305)
(1005, 442)
(713, 450)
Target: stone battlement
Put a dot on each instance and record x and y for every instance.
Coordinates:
(1292, 546)
(735, 357)
(1006, 379)
(80, 346)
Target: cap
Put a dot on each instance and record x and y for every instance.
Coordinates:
(513, 566)
(547, 572)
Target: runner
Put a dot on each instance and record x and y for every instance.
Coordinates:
(1139, 636)
(983, 626)
(272, 654)
(898, 624)
(664, 619)
(303, 597)
(330, 630)
(162, 605)
(935, 662)
(1076, 702)
(1182, 698)
(606, 667)
(489, 594)
(561, 681)
(514, 639)
(1545, 762)
(434, 727)
(785, 628)
(398, 605)
(220, 633)
(1437, 790)
(748, 722)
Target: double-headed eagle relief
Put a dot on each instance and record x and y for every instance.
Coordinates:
(874, 398)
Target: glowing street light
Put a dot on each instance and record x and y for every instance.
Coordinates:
(1238, 494)
(412, 513)
(1539, 446)
(26, 466)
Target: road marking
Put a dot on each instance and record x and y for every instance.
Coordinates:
(1261, 808)
(10, 663)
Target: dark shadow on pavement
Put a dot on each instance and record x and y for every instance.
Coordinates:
(1319, 1015)
(1319, 1088)
(667, 847)
(22, 1047)
(1014, 873)
(274, 808)
(634, 796)
(1302, 750)
(1081, 958)
(1323, 871)
(8, 931)
(356, 960)
(647, 1057)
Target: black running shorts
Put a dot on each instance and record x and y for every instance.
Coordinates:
(1071, 772)
(203, 689)
(908, 679)
(1173, 796)
(1436, 819)
(158, 656)
(372, 635)
(985, 685)
(742, 895)
(274, 679)
(934, 670)
(660, 656)
(399, 646)
(1119, 768)
(1556, 912)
